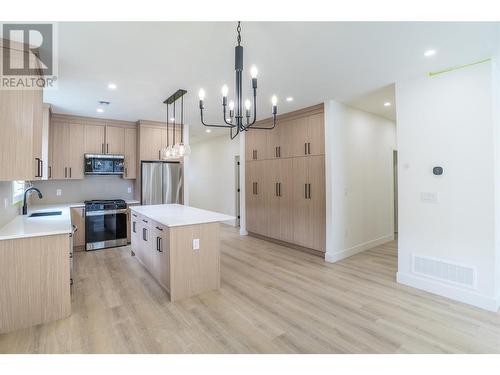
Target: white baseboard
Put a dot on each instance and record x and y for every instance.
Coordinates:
(333, 257)
(231, 222)
(449, 291)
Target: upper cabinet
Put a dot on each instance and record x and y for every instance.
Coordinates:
(71, 137)
(21, 125)
(153, 137)
(299, 133)
(94, 139)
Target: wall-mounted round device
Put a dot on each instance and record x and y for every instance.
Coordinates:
(437, 171)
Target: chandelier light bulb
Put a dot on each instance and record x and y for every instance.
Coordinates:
(247, 104)
(201, 94)
(253, 71)
(274, 100)
(225, 90)
(231, 105)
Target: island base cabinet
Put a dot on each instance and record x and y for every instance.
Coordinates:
(169, 255)
(35, 281)
(194, 271)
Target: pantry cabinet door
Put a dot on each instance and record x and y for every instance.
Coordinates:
(300, 206)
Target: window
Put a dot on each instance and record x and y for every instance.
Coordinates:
(17, 191)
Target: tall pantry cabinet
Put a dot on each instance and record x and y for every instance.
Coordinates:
(285, 179)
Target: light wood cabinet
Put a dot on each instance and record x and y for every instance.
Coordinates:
(115, 140)
(130, 142)
(257, 144)
(160, 264)
(134, 229)
(67, 151)
(35, 280)
(21, 126)
(285, 192)
(78, 219)
(94, 139)
(151, 142)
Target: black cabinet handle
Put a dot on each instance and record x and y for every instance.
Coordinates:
(279, 189)
(158, 244)
(305, 148)
(160, 229)
(102, 148)
(133, 226)
(309, 191)
(144, 234)
(37, 167)
(107, 148)
(41, 168)
(279, 151)
(145, 221)
(309, 148)
(69, 172)
(65, 172)
(305, 191)
(50, 171)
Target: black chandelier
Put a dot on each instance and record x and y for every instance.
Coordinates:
(235, 120)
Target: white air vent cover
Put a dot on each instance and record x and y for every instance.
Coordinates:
(444, 270)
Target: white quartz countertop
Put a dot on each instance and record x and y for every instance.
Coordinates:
(174, 215)
(23, 226)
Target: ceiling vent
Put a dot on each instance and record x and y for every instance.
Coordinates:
(444, 270)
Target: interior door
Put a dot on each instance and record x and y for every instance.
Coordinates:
(115, 140)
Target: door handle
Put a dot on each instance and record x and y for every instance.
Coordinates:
(279, 189)
(125, 171)
(158, 244)
(107, 148)
(133, 226)
(305, 148)
(309, 148)
(37, 167)
(65, 172)
(144, 233)
(41, 168)
(279, 151)
(309, 191)
(305, 191)
(50, 171)
(69, 172)
(102, 148)
(257, 188)
(159, 154)
(276, 189)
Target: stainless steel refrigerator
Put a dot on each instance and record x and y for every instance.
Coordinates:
(162, 182)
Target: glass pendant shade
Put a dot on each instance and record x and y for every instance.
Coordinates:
(183, 149)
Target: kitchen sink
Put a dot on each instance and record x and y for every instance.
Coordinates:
(47, 213)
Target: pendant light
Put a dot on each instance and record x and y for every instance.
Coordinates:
(174, 149)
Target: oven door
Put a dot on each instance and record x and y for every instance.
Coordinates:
(107, 228)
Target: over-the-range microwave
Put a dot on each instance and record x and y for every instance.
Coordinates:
(102, 164)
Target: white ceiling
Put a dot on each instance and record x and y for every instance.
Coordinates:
(311, 61)
(374, 101)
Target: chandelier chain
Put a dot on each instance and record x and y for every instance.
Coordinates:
(238, 29)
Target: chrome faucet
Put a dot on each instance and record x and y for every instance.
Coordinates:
(25, 204)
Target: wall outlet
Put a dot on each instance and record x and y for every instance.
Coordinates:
(58, 192)
(196, 244)
(129, 190)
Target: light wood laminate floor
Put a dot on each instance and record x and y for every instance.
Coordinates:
(272, 300)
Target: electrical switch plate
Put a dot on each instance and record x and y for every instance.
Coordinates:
(58, 192)
(196, 244)
(429, 197)
(129, 189)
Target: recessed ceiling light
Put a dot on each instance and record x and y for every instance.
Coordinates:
(112, 86)
(172, 119)
(430, 52)
(289, 99)
(387, 104)
(209, 130)
(100, 110)
(228, 120)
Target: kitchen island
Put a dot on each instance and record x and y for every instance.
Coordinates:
(180, 246)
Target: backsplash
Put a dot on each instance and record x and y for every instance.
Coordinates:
(91, 187)
(9, 212)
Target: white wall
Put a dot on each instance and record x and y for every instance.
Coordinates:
(7, 210)
(212, 174)
(448, 120)
(359, 180)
